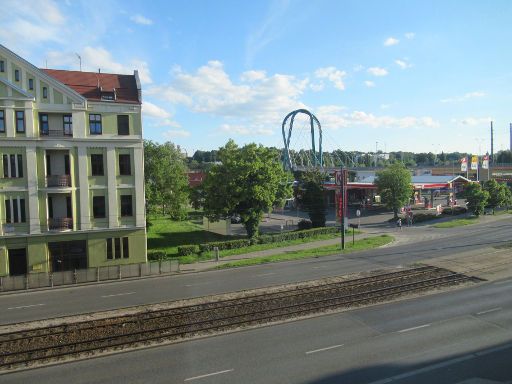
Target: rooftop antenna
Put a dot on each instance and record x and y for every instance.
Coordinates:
(80, 60)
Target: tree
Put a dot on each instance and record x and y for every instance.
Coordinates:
(247, 181)
(394, 186)
(497, 194)
(476, 198)
(310, 194)
(166, 179)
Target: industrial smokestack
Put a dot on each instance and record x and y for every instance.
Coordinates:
(492, 145)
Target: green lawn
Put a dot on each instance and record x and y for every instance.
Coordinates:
(457, 223)
(359, 245)
(165, 235)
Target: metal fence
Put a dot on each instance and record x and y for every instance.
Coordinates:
(89, 275)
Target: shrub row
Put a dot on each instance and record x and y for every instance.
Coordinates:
(420, 217)
(457, 210)
(185, 250)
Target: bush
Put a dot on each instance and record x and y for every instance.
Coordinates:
(232, 244)
(157, 255)
(185, 250)
(456, 210)
(305, 224)
(421, 217)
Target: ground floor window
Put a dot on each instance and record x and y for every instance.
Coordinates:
(118, 247)
(17, 261)
(68, 255)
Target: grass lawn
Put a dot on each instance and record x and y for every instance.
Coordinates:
(165, 235)
(359, 245)
(457, 223)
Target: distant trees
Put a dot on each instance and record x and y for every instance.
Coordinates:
(476, 198)
(246, 181)
(310, 194)
(166, 179)
(394, 185)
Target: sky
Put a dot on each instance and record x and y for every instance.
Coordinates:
(420, 76)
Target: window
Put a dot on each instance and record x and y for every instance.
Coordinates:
(117, 246)
(2, 121)
(13, 166)
(126, 205)
(68, 125)
(123, 125)
(44, 127)
(96, 165)
(45, 93)
(17, 75)
(20, 121)
(110, 255)
(126, 249)
(98, 207)
(124, 165)
(108, 96)
(95, 124)
(2, 66)
(15, 210)
(31, 84)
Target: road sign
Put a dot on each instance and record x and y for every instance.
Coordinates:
(358, 213)
(338, 177)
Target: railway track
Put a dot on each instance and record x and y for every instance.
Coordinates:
(50, 344)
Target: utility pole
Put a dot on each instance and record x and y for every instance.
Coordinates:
(491, 160)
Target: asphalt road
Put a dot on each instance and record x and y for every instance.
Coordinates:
(35, 305)
(449, 337)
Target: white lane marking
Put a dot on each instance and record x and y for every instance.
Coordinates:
(26, 306)
(489, 311)
(414, 328)
(119, 294)
(196, 284)
(266, 274)
(320, 267)
(324, 349)
(209, 374)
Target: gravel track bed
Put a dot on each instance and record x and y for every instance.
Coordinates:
(81, 339)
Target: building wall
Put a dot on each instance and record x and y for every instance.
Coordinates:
(34, 147)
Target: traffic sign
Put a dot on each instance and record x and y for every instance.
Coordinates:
(338, 177)
(358, 213)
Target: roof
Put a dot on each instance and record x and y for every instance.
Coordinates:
(429, 179)
(88, 84)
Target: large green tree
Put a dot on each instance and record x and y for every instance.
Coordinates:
(498, 194)
(476, 198)
(247, 181)
(166, 179)
(310, 194)
(394, 186)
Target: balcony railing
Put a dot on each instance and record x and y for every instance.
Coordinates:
(56, 132)
(58, 181)
(60, 224)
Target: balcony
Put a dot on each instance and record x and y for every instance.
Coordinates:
(55, 132)
(58, 181)
(55, 124)
(60, 224)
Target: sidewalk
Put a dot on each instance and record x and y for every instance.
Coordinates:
(418, 232)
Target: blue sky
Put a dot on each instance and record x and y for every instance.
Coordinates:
(402, 75)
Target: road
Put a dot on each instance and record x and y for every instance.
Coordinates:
(35, 305)
(449, 337)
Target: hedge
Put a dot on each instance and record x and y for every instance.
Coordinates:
(185, 250)
(457, 210)
(231, 244)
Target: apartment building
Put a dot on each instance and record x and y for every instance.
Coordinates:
(71, 175)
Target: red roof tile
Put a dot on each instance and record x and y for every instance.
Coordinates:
(86, 84)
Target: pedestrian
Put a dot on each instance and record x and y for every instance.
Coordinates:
(399, 224)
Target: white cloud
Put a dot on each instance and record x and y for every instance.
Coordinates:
(210, 90)
(241, 130)
(176, 133)
(377, 71)
(369, 84)
(391, 41)
(472, 121)
(336, 118)
(251, 76)
(98, 58)
(153, 110)
(358, 68)
(403, 64)
(139, 19)
(465, 97)
(317, 87)
(332, 74)
(410, 35)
